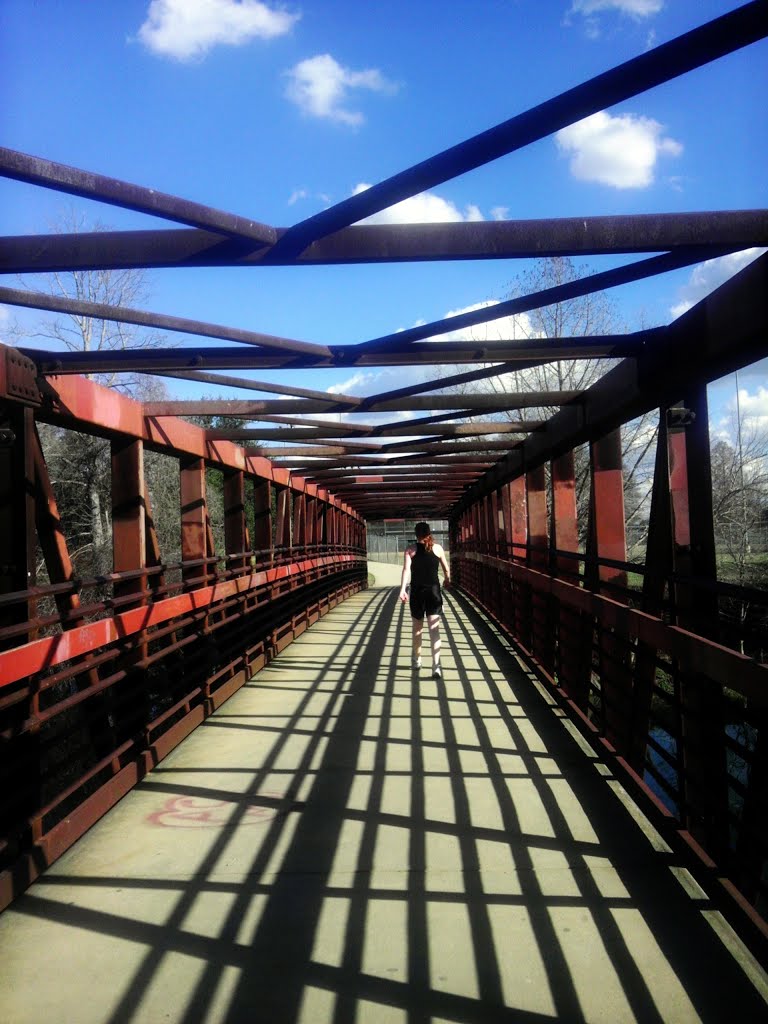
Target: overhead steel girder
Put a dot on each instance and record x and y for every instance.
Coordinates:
(425, 474)
(626, 274)
(722, 333)
(37, 171)
(661, 64)
(158, 360)
(700, 46)
(318, 468)
(391, 243)
(120, 314)
(333, 431)
(414, 448)
(612, 278)
(252, 410)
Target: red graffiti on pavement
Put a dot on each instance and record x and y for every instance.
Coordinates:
(200, 812)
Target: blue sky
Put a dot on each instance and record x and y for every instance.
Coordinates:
(274, 112)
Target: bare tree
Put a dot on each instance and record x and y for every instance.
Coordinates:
(79, 464)
(589, 315)
(79, 333)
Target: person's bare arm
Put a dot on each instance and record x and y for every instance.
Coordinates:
(438, 549)
(405, 579)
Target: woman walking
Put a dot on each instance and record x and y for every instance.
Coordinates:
(420, 568)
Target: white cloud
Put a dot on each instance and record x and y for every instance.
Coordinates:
(319, 86)
(499, 212)
(507, 328)
(710, 275)
(634, 8)
(186, 29)
(426, 208)
(754, 408)
(296, 195)
(358, 383)
(619, 151)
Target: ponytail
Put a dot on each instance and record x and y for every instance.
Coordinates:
(424, 535)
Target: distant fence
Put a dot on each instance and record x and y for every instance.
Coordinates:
(388, 540)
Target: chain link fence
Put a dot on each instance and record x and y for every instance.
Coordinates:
(388, 539)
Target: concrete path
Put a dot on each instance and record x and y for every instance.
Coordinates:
(345, 841)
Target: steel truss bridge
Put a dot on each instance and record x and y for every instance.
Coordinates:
(102, 678)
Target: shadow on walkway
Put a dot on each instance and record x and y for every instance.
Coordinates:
(347, 841)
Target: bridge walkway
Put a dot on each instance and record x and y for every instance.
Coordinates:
(345, 841)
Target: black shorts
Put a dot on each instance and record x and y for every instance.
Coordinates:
(425, 600)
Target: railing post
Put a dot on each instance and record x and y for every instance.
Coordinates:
(235, 529)
(129, 540)
(20, 761)
(658, 569)
(300, 524)
(322, 520)
(538, 558)
(283, 524)
(262, 530)
(565, 537)
(701, 701)
(129, 700)
(518, 532)
(17, 515)
(609, 542)
(194, 521)
(311, 518)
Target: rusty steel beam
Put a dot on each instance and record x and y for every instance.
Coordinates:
(439, 447)
(442, 383)
(725, 331)
(677, 57)
(449, 447)
(310, 437)
(347, 430)
(307, 468)
(35, 170)
(304, 451)
(478, 429)
(194, 518)
(121, 314)
(473, 429)
(250, 357)
(388, 243)
(394, 478)
(424, 470)
(626, 274)
(221, 380)
(245, 409)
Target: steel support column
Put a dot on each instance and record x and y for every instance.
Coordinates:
(701, 700)
(194, 521)
(263, 541)
(565, 538)
(283, 523)
(609, 542)
(129, 540)
(538, 558)
(128, 700)
(17, 513)
(236, 541)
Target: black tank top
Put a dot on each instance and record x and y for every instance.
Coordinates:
(424, 566)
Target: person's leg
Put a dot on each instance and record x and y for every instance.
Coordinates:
(433, 621)
(418, 625)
